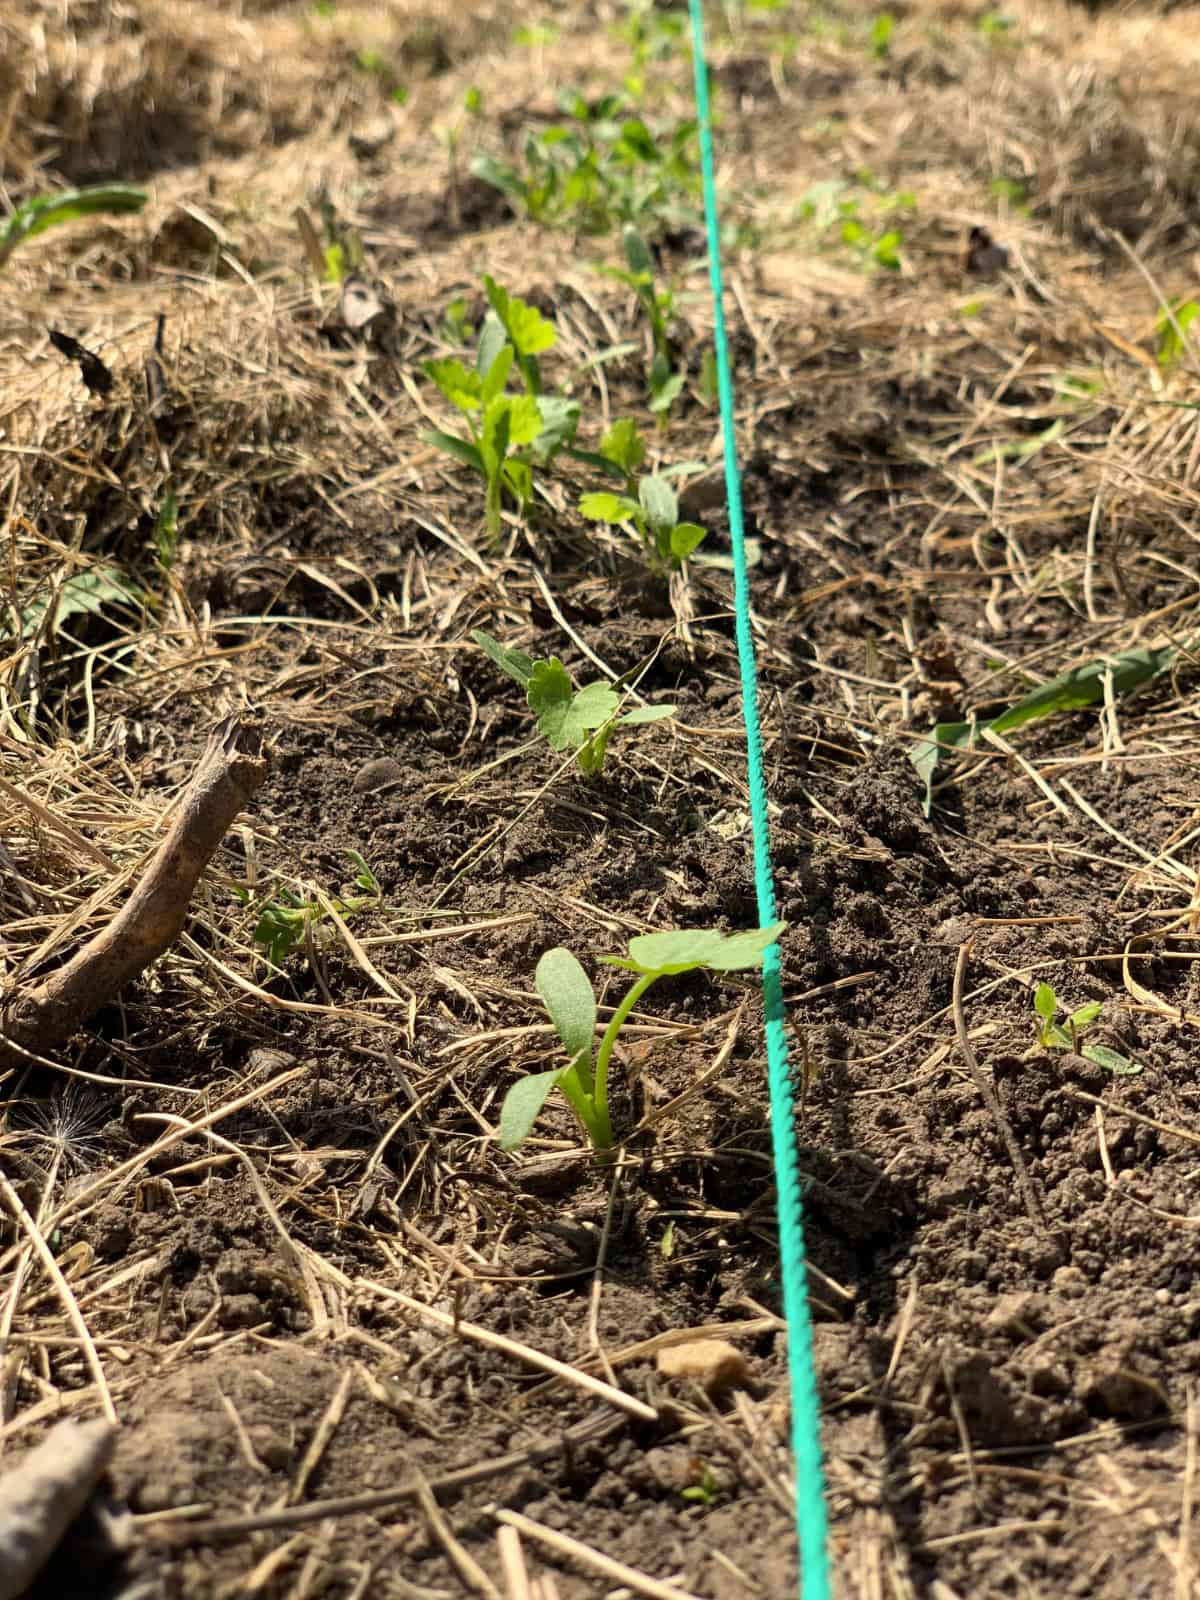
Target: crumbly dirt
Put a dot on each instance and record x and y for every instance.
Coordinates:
(961, 483)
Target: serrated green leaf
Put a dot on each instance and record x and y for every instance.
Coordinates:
(567, 718)
(623, 445)
(508, 658)
(460, 386)
(526, 327)
(559, 422)
(569, 999)
(659, 502)
(524, 419)
(604, 507)
(522, 1106)
(685, 949)
(1045, 1001)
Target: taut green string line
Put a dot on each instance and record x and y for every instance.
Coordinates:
(811, 1521)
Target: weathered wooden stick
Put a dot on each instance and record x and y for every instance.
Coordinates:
(229, 772)
(43, 1494)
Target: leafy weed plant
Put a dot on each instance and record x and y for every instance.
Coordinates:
(1053, 1035)
(508, 435)
(582, 720)
(570, 1000)
(283, 921)
(600, 167)
(861, 216)
(663, 378)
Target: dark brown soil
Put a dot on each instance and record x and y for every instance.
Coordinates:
(1007, 1319)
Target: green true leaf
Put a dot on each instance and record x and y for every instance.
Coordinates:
(509, 659)
(559, 422)
(460, 386)
(604, 507)
(526, 327)
(685, 536)
(660, 503)
(1045, 1002)
(66, 205)
(522, 1107)
(623, 445)
(564, 717)
(496, 374)
(492, 339)
(569, 999)
(684, 949)
(1111, 1060)
(461, 449)
(524, 418)
(642, 714)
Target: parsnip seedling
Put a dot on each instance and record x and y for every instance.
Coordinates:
(582, 720)
(570, 1001)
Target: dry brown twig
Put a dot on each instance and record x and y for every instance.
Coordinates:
(229, 772)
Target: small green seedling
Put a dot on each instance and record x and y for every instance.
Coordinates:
(283, 921)
(570, 1000)
(662, 376)
(703, 1490)
(582, 720)
(508, 434)
(655, 515)
(65, 205)
(1055, 1036)
(1172, 331)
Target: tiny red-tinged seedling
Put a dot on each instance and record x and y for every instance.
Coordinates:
(1069, 1035)
(569, 998)
(582, 720)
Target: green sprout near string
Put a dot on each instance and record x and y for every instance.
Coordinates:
(1053, 1035)
(570, 1000)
